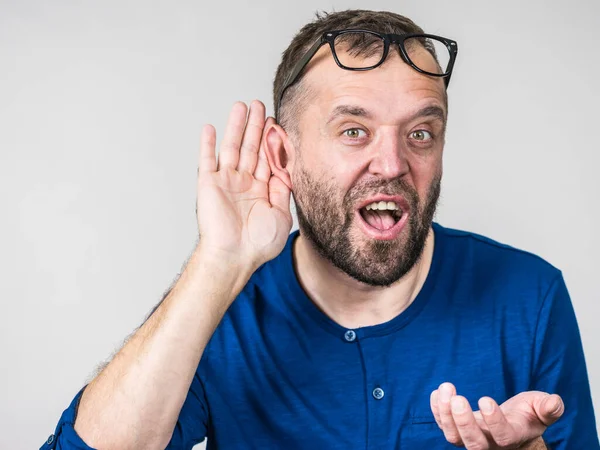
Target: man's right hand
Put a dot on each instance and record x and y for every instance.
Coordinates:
(243, 211)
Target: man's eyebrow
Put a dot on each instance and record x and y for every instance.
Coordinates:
(430, 111)
(348, 110)
(358, 111)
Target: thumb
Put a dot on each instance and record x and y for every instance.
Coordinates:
(549, 409)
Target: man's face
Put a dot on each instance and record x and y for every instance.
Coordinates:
(371, 138)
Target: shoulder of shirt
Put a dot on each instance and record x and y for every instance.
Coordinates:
(517, 258)
(258, 276)
(267, 270)
(245, 311)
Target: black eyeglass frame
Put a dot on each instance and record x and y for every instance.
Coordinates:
(329, 37)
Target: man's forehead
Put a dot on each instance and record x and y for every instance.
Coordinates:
(393, 85)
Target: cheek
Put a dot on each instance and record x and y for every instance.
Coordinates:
(325, 163)
(346, 171)
(424, 171)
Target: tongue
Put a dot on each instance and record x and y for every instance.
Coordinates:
(382, 220)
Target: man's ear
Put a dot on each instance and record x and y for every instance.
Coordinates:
(280, 152)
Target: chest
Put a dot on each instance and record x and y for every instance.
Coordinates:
(305, 387)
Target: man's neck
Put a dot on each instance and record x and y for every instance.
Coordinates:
(350, 303)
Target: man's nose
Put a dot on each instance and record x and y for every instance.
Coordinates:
(389, 157)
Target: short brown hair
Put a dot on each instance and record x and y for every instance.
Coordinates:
(381, 21)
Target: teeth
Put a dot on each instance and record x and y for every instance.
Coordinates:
(382, 205)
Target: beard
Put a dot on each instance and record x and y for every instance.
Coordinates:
(328, 227)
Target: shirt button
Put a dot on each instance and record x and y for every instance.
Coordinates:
(378, 393)
(350, 335)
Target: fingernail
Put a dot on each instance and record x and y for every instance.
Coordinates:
(487, 407)
(445, 393)
(458, 405)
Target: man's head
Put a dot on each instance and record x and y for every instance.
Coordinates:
(349, 139)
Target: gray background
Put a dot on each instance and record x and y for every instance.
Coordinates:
(101, 106)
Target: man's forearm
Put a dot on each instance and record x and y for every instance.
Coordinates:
(136, 400)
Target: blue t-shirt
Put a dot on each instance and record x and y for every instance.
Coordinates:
(279, 373)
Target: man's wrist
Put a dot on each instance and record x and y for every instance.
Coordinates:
(536, 444)
(227, 270)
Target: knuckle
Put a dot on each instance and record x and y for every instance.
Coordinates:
(503, 440)
(453, 437)
(461, 420)
(230, 146)
(256, 125)
(478, 446)
(250, 148)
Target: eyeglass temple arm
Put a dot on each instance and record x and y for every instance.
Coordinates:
(299, 67)
(453, 49)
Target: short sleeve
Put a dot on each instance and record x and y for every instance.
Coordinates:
(190, 429)
(65, 437)
(192, 424)
(559, 367)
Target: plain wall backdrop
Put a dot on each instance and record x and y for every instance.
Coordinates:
(101, 107)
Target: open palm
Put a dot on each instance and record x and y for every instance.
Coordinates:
(517, 423)
(243, 211)
(527, 415)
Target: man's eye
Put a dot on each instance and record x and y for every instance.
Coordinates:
(421, 135)
(354, 133)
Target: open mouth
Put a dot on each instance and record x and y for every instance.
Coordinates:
(383, 218)
(381, 215)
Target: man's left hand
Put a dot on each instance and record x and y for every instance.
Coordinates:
(516, 423)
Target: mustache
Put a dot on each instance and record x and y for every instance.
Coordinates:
(397, 186)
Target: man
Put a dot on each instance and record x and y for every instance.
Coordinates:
(358, 331)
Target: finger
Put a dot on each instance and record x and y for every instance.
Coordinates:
(480, 421)
(279, 195)
(252, 137)
(446, 392)
(263, 170)
(501, 431)
(549, 409)
(471, 435)
(229, 152)
(433, 401)
(207, 161)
